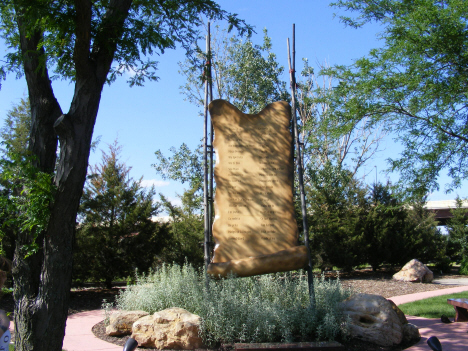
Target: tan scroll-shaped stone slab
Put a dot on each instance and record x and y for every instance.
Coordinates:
(255, 230)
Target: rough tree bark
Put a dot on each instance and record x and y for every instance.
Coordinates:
(42, 281)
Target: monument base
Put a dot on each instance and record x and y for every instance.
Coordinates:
(281, 261)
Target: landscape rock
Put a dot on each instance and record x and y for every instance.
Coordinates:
(121, 322)
(400, 314)
(414, 271)
(173, 328)
(410, 333)
(373, 319)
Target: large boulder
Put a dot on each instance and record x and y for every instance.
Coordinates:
(121, 322)
(373, 319)
(400, 314)
(173, 328)
(414, 271)
(410, 333)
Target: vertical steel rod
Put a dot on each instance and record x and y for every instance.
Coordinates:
(299, 165)
(205, 173)
(211, 169)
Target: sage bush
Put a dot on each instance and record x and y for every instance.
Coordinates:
(267, 308)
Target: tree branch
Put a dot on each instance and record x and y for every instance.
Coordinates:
(108, 34)
(83, 36)
(402, 110)
(44, 107)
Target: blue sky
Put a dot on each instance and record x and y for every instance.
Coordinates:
(145, 119)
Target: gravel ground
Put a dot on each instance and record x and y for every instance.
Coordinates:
(388, 288)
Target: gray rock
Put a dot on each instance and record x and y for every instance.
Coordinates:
(373, 319)
(400, 314)
(410, 333)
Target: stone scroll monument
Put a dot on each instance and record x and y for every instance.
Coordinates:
(254, 230)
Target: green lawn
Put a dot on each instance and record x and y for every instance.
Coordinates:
(433, 307)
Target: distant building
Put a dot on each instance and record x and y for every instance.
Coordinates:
(441, 209)
(162, 219)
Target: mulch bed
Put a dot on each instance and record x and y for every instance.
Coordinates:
(81, 299)
(99, 330)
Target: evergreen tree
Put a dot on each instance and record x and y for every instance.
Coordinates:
(337, 212)
(457, 228)
(426, 242)
(352, 225)
(396, 232)
(115, 234)
(381, 230)
(186, 229)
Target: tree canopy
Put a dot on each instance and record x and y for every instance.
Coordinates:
(325, 140)
(416, 83)
(243, 73)
(67, 33)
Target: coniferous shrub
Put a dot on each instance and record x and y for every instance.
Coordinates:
(351, 225)
(337, 206)
(457, 228)
(116, 233)
(396, 232)
(267, 308)
(464, 267)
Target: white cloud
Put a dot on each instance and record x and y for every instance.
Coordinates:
(157, 183)
(128, 71)
(176, 201)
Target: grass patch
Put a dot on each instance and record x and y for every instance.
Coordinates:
(267, 308)
(433, 307)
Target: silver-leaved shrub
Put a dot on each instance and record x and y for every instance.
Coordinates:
(267, 308)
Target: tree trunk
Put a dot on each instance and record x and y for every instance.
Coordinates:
(41, 306)
(42, 281)
(30, 309)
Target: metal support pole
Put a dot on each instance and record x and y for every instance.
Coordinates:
(299, 165)
(207, 211)
(211, 177)
(211, 198)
